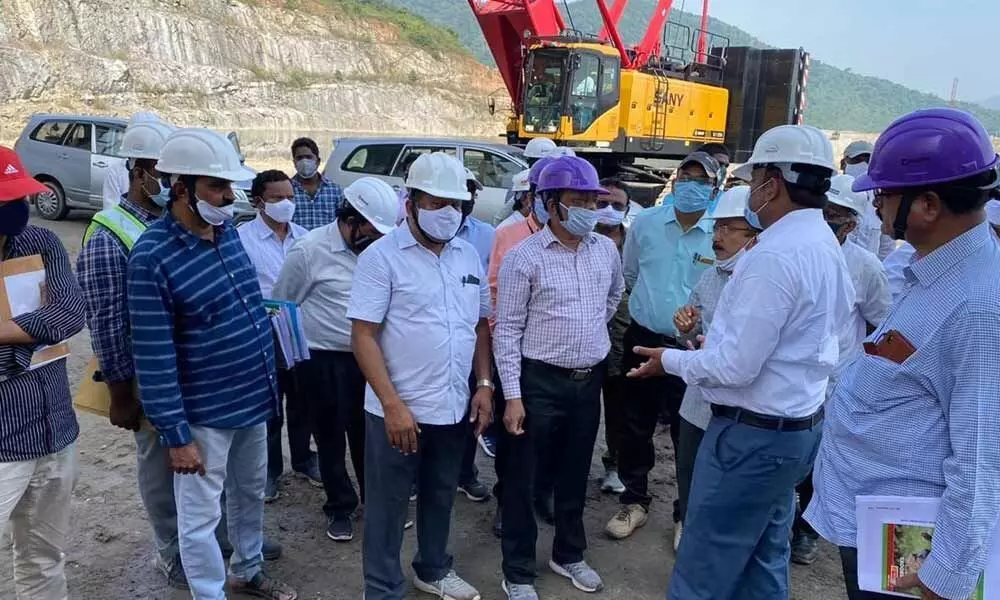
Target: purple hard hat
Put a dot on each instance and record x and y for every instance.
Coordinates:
(570, 173)
(538, 167)
(928, 147)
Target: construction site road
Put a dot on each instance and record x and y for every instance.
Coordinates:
(110, 553)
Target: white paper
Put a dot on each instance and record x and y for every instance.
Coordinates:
(24, 292)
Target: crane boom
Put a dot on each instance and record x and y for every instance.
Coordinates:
(650, 44)
(616, 15)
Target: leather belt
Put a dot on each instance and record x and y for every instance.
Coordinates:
(753, 419)
(573, 374)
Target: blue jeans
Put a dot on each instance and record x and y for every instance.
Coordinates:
(740, 512)
(235, 459)
(389, 476)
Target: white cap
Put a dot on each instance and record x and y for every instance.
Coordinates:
(993, 212)
(201, 152)
(539, 147)
(521, 182)
(375, 200)
(841, 194)
(731, 204)
(440, 175)
(145, 139)
(787, 144)
(857, 148)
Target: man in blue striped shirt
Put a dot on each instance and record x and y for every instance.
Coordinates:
(205, 363)
(38, 427)
(916, 415)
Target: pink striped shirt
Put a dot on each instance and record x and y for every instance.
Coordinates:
(554, 303)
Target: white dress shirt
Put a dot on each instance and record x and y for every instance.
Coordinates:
(872, 300)
(773, 340)
(317, 276)
(115, 185)
(428, 307)
(266, 251)
(894, 264)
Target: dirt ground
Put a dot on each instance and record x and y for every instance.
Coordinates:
(110, 552)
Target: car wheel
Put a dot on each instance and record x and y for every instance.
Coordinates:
(51, 205)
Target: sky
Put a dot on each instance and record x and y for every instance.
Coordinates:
(923, 44)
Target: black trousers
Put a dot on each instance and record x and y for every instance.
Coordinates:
(299, 430)
(469, 472)
(614, 418)
(805, 490)
(335, 389)
(849, 561)
(644, 400)
(687, 451)
(562, 418)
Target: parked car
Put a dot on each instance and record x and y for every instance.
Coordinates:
(72, 154)
(388, 158)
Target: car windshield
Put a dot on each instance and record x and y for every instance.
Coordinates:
(544, 91)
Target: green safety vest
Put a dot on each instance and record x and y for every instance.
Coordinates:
(118, 221)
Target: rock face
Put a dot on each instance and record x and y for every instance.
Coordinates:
(269, 65)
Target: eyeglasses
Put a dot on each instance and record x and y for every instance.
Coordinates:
(726, 229)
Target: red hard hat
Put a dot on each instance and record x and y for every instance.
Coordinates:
(15, 182)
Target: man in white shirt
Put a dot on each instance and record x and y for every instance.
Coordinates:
(868, 233)
(843, 212)
(764, 367)
(317, 276)
(419, 306)
(267, 240)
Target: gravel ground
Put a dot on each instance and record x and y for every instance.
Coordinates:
(109, 554)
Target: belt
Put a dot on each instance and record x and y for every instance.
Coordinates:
(654, 338)
(748, 417)
(573, 374)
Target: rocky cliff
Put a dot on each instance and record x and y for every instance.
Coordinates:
(269, 65)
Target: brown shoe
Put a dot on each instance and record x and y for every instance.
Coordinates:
(263, 586)
(626, 521)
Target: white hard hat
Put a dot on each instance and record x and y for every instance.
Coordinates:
(731, 204)
(787, 144)
(144, 117)
(375, 200)
(521, 182)
(840, 193)
(539, 147)
(562, 151)
(857, 148)
(201, 152)
(145, 140)
(440, 175)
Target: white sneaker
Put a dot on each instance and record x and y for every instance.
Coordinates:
(451, 587)
(612, 483)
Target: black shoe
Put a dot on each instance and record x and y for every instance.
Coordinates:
(545, 510)
(498, 522)
(475, 490)
(340, 529)
(804, 551)
(270, 550)
(174, 572)
(310, 472)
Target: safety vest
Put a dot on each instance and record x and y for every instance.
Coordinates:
(118, 221)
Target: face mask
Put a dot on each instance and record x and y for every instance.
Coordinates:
(306, 167)
(856, 170)
(610, 217)
(280, 211)
(691, 196)
(214, 215)
(579, 221)
(729, 265)
(439, 225)
(753, 218)
(359, 242)
(836, 227)
(540, 213)
(162, 198)
(13, 217)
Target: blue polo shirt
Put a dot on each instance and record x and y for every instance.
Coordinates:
(662, 263)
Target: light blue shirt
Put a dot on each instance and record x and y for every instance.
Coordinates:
(662, 264)
(929, 427)
(480, 234)
(428, 307)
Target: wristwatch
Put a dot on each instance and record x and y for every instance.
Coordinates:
(485, 383)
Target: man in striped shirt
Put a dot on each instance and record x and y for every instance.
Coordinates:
(316, 197)
(205, 363)
(557, 291)
(38, 427)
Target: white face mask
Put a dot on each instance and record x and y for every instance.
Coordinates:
(440, 225)
(281, 211)
(215, 215)
(610, 217)
(856, 170)
(729, 265)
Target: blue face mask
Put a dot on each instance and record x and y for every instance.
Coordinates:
(161, 199)
(579, 221)
(753, 218)
(691, 196)
(540, 213)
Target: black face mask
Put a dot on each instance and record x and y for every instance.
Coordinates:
(13, 217)
(359, 242)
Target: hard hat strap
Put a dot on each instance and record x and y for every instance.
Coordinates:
(902, 215)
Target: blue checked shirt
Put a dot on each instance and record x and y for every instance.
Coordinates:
(36, 406)
(319, 209)
(101, 270)
(927, 427)
(480, 235)
(202, 339)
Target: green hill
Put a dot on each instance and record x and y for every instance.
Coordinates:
(837, 98)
